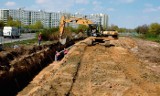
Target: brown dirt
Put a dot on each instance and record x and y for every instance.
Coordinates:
(129, 68)
(19, 66)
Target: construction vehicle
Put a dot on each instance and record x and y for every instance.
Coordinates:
(63, 21)
(93, 31)
(112, 33)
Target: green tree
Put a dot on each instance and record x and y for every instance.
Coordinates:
(18, 23)
(154, 29)
(142, 29)
(113, 27)
(38, 25)
(13, 23)
(71, 29)
(2, 24)
(122, 30)
(82, 28)
(10, 21)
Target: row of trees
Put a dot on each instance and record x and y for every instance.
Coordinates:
(153, 29)
(115, 27)
(147, 30)
(16, 23)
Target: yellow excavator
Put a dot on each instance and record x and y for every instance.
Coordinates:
(63, 21)
(93, 31)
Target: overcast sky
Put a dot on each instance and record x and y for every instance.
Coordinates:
(124, 13)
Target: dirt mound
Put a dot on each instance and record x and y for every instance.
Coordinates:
(120, 70)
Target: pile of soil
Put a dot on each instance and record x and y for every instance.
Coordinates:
(129, 68)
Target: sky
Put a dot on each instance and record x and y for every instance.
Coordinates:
(123, 13)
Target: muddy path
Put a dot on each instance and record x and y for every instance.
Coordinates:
(128, 68)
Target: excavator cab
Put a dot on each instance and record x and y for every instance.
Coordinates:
(93, 30)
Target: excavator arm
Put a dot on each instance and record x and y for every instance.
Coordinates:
(62, 26)
(63, 21)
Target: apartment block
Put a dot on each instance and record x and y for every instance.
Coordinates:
(48, 19)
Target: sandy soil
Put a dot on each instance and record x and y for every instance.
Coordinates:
(129, 68)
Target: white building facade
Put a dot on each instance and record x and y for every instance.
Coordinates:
(48, 19)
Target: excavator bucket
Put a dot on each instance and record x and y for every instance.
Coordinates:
(62, 41)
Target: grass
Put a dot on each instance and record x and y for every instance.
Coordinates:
(24, 42)
(7, 46)
(156, 39)
(150, 37)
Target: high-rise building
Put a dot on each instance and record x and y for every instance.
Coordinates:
(48, 19)
(4, 13)
(101, 19)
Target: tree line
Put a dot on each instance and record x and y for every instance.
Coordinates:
(16, 23)
(152, 29)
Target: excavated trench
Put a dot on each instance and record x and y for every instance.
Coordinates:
(18, 67)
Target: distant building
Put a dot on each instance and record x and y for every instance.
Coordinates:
(101, 19)
(4, 13)
(48, 19)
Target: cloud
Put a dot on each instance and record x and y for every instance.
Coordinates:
(53, 5)
(97, 5)
(60, 5)
(82, 1)
(81, 10)
(110, 9)
(41, 1)
(9, 3)
(148, 5)
(121, 1)
(126, 1)
(149, 9)
(68, 5)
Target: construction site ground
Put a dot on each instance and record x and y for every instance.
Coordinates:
(130, 67)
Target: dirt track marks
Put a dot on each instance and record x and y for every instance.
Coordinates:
(99, 75)
(114, 71)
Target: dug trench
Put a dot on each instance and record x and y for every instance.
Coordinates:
(18, 67)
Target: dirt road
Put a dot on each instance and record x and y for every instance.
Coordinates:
(129, 68)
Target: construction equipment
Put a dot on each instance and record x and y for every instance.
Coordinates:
(63, 21)
(112, 33)
(93, 30)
